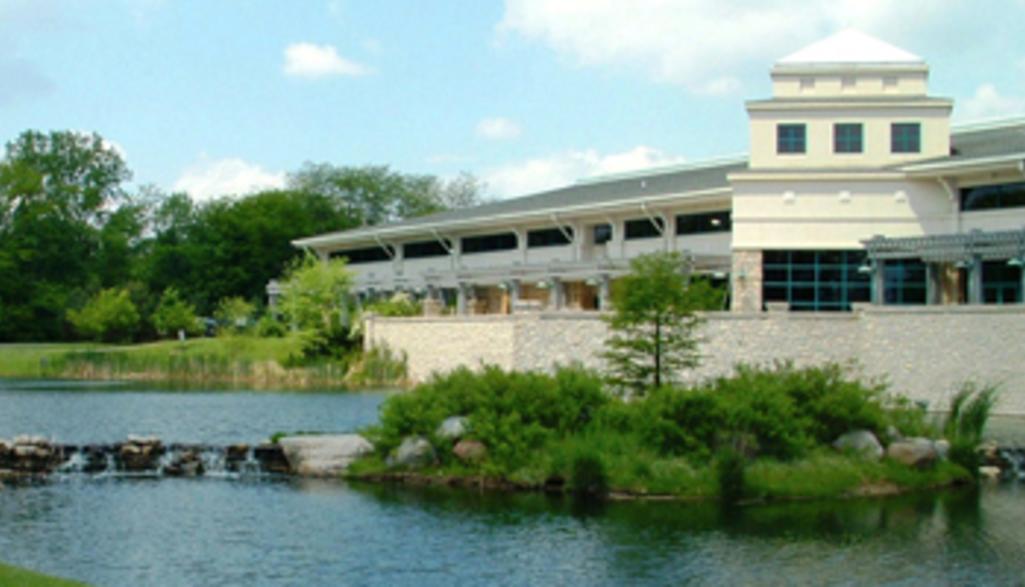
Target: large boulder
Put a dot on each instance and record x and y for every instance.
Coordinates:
(861, 442)
(323, 455)
(453, 428)
(30, 455)
(186, 463)
(415, 451)
(140, 453)
(470, 451)
(914, 452)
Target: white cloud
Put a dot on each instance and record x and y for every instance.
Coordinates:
(562, 169)
(701, 44)
(498, 129)
(317, 61)
(988, 102)
(225, 177)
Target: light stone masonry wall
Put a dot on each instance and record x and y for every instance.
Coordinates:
(924, 352)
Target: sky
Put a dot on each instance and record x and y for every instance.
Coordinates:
(220, 97)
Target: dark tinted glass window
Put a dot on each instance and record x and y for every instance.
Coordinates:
(367, 255)
(904, 282)
(644, 228)
(419, 250)
(549, 237)
(705, 222)
(815, 280)
(602, 233)
(790, 138)
(490, 242)
(905, 137)
(847, 138)
(1001, 283)
(990, 197)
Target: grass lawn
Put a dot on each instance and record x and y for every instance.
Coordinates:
(16, 577)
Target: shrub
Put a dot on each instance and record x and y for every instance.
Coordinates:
(234, 313)
(109, 316)
(588, 474)
(969, 412)
(398, 305)
(270, 327)
(174, 314)
(729, 474)
(378, 367)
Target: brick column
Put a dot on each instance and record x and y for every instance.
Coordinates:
(746, 281)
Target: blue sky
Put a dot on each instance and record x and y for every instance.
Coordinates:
(216, 96)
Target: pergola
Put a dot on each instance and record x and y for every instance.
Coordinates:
(962, 250)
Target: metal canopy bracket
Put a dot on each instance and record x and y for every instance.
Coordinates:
(444, 242)
(563, 229)
(388, 250)
(653, 217)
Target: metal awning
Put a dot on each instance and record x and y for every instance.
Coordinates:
(950, 248)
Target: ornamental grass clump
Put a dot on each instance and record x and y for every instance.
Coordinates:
(965, 424)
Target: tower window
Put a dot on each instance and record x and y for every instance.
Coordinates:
(790, 138)
(847, 138)
(906, 137)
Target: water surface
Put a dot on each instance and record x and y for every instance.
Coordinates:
(260, 531)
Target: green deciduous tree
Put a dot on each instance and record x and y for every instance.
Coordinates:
(110, 316)
(653, 322)
(235, 313)
(59, 191)
(173, 314)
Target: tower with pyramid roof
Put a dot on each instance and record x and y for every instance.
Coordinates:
(845, 113)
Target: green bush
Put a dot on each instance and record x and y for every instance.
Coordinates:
(173, 314)
(729, 474)
(270, 327)
(109, 316)
(234, 314)
(512, 413)
(589, 476)
(397, 306)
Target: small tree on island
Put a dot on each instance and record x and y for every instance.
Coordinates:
(174, 314)
(653, 322)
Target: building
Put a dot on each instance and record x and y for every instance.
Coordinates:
(856, 190)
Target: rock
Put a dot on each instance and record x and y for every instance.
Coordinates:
(453, 427)
(892, 434)
(188, 463)
(989, 454)
(914, 452)
(413, 452)
(235, 455)
(271, 458)
(942, 447)
(861, 442)
(323, 455)
(94, 458)
(31, 455)
(139, 453)
(470, 451)
(989, 473)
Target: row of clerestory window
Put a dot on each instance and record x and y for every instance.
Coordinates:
(848, 137)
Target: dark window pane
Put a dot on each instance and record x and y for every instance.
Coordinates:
(790, 138)
(847, 138)
(990, 197)
(419, 250)
(644, 228)
(549, 237)
(602, 233)
(705, 222)
(488, 243)
(905, 137)
(367, 255)
(815, 280)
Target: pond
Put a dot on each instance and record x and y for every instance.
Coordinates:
(266, 531)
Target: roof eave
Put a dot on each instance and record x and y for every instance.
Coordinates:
(1009, 161)
(427, 229)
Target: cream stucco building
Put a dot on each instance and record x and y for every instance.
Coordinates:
(856, 190)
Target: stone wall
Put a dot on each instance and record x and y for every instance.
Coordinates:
(925, 352)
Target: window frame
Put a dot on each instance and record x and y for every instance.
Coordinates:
(900, 142)
(791, 145)
(846, 144)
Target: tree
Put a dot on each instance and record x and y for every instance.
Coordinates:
(314, 292)
(58, 192)
(174, 314)
(235, 313)
(653, 322)
(314, 299)
(110, 316)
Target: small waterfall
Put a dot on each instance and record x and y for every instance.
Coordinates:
(149, 458)
(1015, 458)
